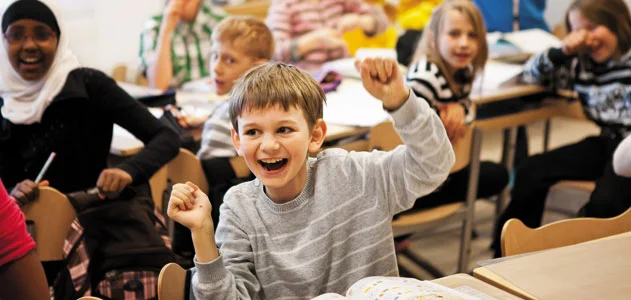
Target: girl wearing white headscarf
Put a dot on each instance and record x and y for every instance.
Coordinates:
(49, 103)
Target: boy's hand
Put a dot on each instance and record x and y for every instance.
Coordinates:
(172, 14)
(577, 42)
(112, 181)
(190, 207)
(452, 115)
(382, 79)
(26, 191)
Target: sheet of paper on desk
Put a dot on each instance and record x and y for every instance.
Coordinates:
(138, 91)
(495, 75)
(346, 66)
(352, 105)
(533, 40)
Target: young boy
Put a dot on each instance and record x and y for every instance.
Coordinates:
(308, 226)
(174, 46)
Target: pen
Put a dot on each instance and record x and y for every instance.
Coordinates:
(45, 167)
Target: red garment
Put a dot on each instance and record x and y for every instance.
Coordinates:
(15, 242)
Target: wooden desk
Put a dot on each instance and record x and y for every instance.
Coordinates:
(464, 281)
(590, 270)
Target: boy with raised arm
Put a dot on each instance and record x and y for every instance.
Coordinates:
(309, 226)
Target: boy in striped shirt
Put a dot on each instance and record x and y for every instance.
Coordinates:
(309, 226)
(175, 46)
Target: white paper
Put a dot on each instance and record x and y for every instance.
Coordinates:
(138, 91)
(533, 40)
(376, 288)
(465, 289)
(352, 105)
(495, 75)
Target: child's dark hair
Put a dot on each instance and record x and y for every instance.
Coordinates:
(613, 14)
(277, 84)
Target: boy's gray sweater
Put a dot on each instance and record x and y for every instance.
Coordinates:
(338, 230)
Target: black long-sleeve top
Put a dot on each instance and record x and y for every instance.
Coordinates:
(78, 126)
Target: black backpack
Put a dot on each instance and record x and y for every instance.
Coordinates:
(115, 249)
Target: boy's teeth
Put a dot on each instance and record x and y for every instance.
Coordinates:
(271, 161)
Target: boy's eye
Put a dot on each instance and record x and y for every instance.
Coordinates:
(251, 132)
(284, 130)
(229, 60)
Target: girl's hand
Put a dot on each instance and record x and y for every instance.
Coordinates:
(382, 79)
(26, 191)
(112, 181)
(452, 115)
(577, 42)
(350, 22)
(324, 38)
(190, 207)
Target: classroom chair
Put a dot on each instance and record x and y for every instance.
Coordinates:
(256, 8)
(517, 238)
(383, 137)
(158, 183)
(187, 167)
(52, 215)
(173, 282)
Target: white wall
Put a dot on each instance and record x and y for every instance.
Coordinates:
(106, 32)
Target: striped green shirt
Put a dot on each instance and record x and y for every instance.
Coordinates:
(190, 45)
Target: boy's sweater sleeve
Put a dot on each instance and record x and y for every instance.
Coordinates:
(622, 158)
(236, 279)
(541, 67)
(420, 165)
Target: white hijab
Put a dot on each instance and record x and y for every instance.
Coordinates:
(24, 100)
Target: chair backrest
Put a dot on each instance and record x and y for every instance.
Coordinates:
(172, 283)
(254, 8)
(517, 238)
(158, 183)
(187, 167)
(52, 214)
(384, 137)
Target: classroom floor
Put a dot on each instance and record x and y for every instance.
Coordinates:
(442, 248)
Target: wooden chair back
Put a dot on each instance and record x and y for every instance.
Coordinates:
(158, 183)
(257, 8)
(384, 137)
(517, 238)
(52, 214)
(187, 167)
(172, 283)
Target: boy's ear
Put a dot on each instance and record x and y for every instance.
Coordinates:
(236, 141)
(317, 136)
(260, 61)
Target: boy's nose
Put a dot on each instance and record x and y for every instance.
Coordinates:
(269, 143)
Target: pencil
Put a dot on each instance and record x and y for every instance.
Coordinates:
(45, 167)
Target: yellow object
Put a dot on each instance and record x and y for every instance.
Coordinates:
(414, 14)
(357, 39)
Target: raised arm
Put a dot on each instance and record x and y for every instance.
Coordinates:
(416, 169)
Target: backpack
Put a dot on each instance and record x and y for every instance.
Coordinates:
(115, 248)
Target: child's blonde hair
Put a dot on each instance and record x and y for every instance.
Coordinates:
(252, 31)
(613, 14)
(428, 45)
(277, 84)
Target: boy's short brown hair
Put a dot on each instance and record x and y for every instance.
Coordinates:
(277, 84)
(252, 31)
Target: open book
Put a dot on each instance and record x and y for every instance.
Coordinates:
(399, 288)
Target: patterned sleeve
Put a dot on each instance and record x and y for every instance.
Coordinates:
(363, 8)
(422, 79)
(148, 43)
(216, 137)
(279, 22)
(544, 67)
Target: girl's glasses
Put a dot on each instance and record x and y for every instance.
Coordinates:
(19, 37)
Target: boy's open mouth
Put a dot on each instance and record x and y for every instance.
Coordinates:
(273, 164)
